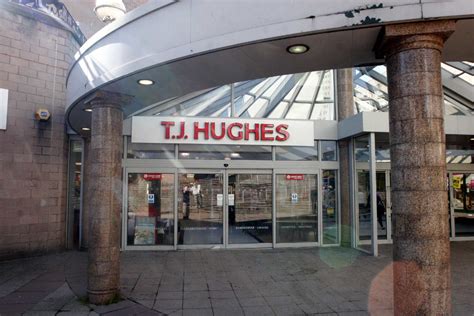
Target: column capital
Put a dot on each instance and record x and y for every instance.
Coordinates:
(399, 37)
(101, 98)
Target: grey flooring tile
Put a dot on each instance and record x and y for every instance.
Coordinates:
(196, 303)
(198, 312)
(228, 311)
(258, 311)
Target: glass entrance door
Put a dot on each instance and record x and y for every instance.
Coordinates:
(383, 206)
(200, 208)
(249, 200)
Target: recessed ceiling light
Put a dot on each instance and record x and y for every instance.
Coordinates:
(185, 154)
(297, 49)
(472, 138)
(145, 82)
(235, 155)
(86, 129)
(87, 110)
(78, 164)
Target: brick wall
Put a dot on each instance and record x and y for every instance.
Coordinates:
(34, 60)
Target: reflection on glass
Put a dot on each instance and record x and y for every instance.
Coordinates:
(463, 203)
(200, 205)
(74, 194)
(328, 150)
(149, 151)
(297, 153)
(296, 208)
(250, 208)
(220, 152)
(365, 230)
(363, 197)
(150, 219)
(330, 210)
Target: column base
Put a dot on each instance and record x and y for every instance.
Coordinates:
(102, 297)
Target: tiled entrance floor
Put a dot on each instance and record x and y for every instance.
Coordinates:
(333, 281)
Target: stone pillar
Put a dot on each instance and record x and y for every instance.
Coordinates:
(345, 109)
(421, 251)
(86, 193)
(106, 197)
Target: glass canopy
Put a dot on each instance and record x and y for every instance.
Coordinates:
(371, 91)
(297, 96)
(310, 95)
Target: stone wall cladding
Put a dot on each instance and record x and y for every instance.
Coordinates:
(34, 60)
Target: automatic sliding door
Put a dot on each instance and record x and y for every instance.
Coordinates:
(200, 208)
(296, 208)
(249, 208)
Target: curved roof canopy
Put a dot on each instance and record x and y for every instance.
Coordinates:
(190, 45)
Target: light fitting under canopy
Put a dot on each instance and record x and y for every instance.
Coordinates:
(109, 10)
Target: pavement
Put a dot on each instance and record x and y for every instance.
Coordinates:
(305, 281)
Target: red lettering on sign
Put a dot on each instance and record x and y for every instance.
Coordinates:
(267, 129)
(230, 132)
(204, 130)
(167, 126)
(213, 131)
(282, 131)
(152, 176)
(295, 177)
(248, 130)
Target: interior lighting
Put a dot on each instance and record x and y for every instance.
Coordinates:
(145, 82)
(472, 138)
(88, 110)
(86, 129)
(185, 154)
(109, 10)
(297, 49)
(235, 155)
(78, 164)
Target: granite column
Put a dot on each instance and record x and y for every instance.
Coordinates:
(345, 109)
(421, 251)
(105, 183)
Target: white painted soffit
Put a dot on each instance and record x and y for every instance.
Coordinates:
(377, 122)
(190, 45)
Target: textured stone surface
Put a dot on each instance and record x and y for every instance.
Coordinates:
(421, 252)
(105, 199)
(345, 108)
(34, 58)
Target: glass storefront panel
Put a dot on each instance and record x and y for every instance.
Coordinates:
(250, 208)
(74, 193)
(296, 208)
(330, 209)
(150, 209)
(463, 204)
(200, 209)
(365, 223)
(297, 153)
(328, 150)
(220, 152)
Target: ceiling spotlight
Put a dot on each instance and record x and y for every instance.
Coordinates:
(472, 138)
(297, 49)
(235, 155)
(185, 154)
(109, 10)
(145, 82)
(87, 110)
(86, 129)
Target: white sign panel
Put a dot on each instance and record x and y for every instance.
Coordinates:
(218, 131)
(220, 199)
(231, 199)
(3, 108)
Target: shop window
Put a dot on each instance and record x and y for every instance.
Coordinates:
(74, 193)
(297, 153)
(328, 150)
(150, 215)
(330, 209)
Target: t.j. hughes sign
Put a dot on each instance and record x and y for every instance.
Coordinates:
(217, 131)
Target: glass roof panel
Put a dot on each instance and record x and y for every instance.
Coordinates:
(326, 91)
(279, 110)
(310, 87)
(299, 111)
